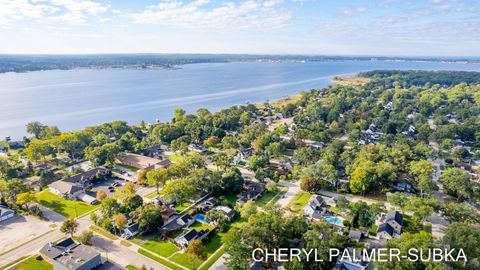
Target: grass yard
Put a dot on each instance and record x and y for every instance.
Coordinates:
(183, 206)
(161, 248)
(33, 264)
(175, 158)
(212, 259)
(373, 230)
(62, 206)
(265, 198)
(299, 201)
(182, 259)
(158, 259)
(199, 226)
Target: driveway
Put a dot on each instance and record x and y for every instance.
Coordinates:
(293, 188)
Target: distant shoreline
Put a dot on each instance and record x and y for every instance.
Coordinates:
(32, 63)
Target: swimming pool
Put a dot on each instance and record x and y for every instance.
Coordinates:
(334, 220)
(200, 218)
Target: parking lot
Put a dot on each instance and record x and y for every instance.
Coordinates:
(20, 229)
(108, 186)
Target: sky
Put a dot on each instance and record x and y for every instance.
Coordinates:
(321, 27)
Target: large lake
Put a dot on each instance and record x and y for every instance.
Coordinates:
(78, 98)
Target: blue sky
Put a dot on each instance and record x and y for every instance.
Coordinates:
(331, 27)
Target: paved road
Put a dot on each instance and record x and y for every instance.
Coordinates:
(293, 188)
(123, 255)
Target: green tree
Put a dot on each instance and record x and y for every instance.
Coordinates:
(179, 189)
(35, 128)
(157, 177)
(398, 199)
(456, 182)
(69, 226)
(85, 237)
(149, 218)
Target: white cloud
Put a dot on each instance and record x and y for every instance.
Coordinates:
(353, 11)
(201, 14)
(66, 11)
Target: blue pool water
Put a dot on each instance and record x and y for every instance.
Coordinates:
(200, 218)
(334, 220)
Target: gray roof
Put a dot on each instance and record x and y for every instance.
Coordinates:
(69, 253)
(397, 216)
(5, 211)
(385, 227)
(66, 187)
(88, 175)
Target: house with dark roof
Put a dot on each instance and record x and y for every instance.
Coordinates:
(395, 220)
(314, 206)
(130, 231)
(184, 239)
(86, 178)
(385, 231)
(252, 191)
(6, 213)
(74, 186)
(68, 255)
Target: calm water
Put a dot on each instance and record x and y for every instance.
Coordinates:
(78, 98)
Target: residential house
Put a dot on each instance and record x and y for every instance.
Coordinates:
(385, 231)
(2, 148)
(206, 205)
(144, 163)
(156, 151)
(87, 178)
(6, 213)
(197, 148)
(252, 191)
(314, 206)
(66, 190)
(68, 255)
(130, 231)
(16, 144)
(184, 239)
(162, 201)
(358, 234)
(227, 211)
(395, 219)
(185, 220)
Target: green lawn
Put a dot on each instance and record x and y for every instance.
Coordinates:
(373, 230)
(299, 201)
(199, 226)
(131, 267)
(265, 198)
(62, 206)
(182, 259)
(212, 259)
(175, 158)
(183, 206)
(33, 264)
(158, 259)
(161, 248)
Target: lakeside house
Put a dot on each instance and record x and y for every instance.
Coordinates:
(68, 255)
